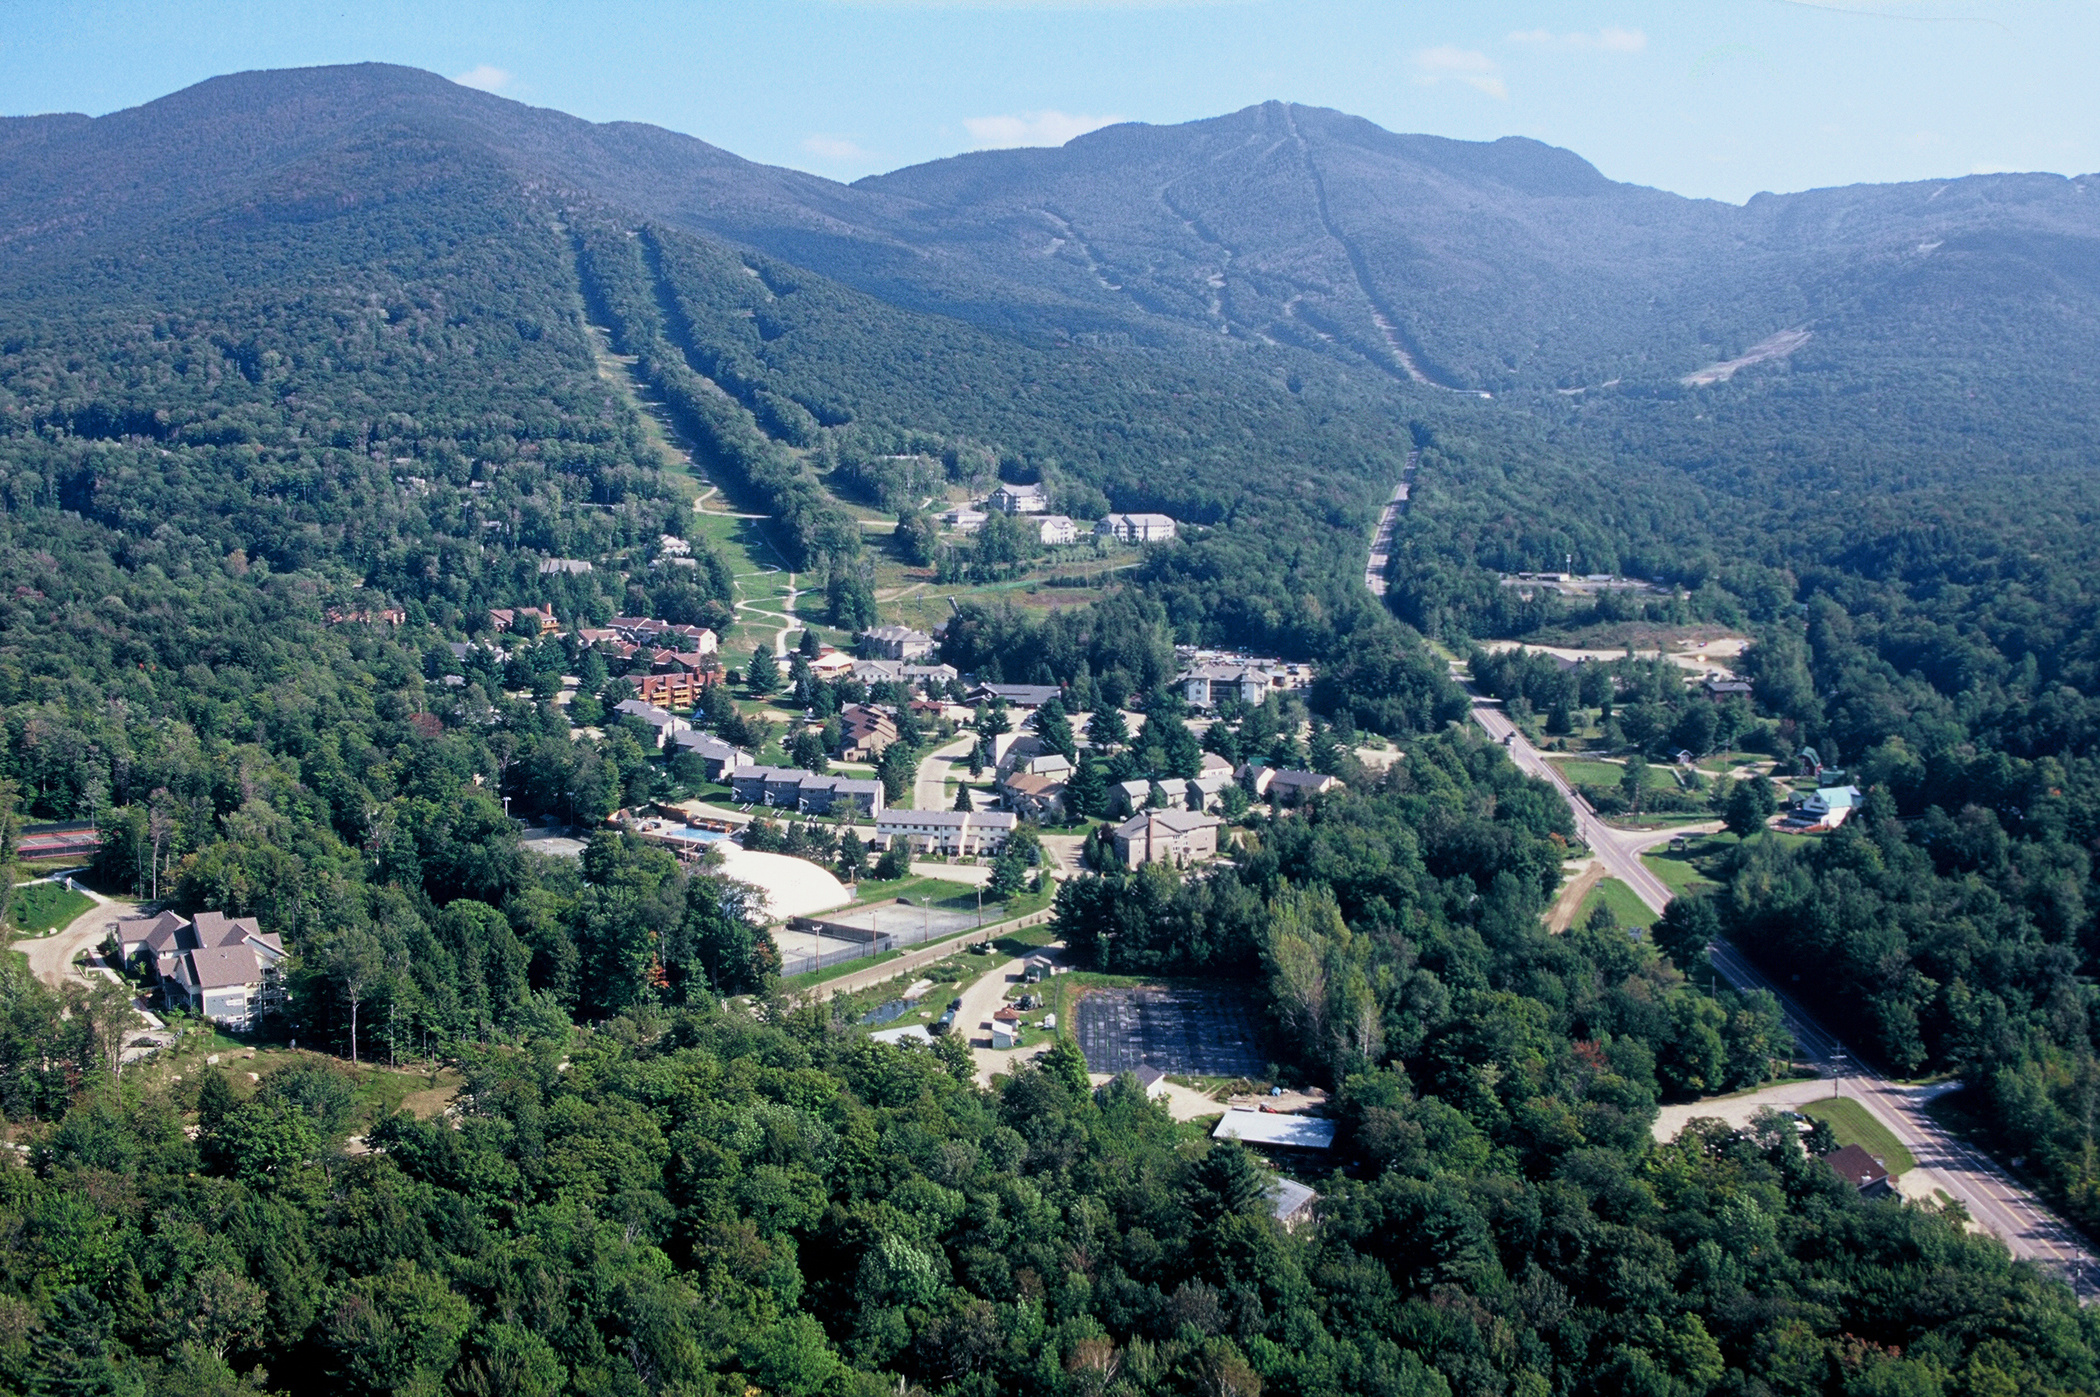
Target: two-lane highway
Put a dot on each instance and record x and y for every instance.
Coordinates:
(1992, 1197)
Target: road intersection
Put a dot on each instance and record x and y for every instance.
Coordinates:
(1993, 1198)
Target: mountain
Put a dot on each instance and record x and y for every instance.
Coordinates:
(1480, 266)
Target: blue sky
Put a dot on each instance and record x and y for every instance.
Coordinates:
(1717, 98)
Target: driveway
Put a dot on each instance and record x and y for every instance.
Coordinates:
(51, 957)
(937, 768)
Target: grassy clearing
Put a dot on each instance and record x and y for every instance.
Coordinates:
(1610, 774)
(1025, 942)
(41, 907)
(923, 892)
(1678, 873)
(1854, 1125)
(1613, 895)
(376, 1090)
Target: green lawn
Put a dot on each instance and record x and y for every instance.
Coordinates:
(1026, 941)
(1678, 873)
(921, 890)
(1854, 1125)
(1628, 910)
(1610, 774)
(41, 907)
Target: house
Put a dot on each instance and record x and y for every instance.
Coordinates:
(806, 792)
(1018, 499)
(222, 968)
(953, 832)
(1058, 530)
(677, 690)
(833, 663)
(671, 546)
(1716, 687)
(717, 758)
(1129, 797)
(683, 662)
(895, 643)
(665, 724)
(1152, 1080)
(1206, 686)
(1830, 806)
(1275, 1131)
(901, 672)
(1179, 837)
(1206, 792)
(1214, 765)
(510, 618)
(1293, 787)
(572, 567)
(865, 733)
(1136, 528)
(1034, 797)
(1052, 764)
(1291, 1203)
(1861, 1170)
(964, 520)
(1014, 695)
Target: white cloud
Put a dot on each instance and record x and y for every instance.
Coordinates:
(1607, 40)
(833, 147)
(1468, 66)
(485, 77)
(1045, 128)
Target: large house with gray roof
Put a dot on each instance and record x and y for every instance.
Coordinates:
(221, 968)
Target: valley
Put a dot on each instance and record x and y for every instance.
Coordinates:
(514, 603)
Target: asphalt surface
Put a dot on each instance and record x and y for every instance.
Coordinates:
(2011, 1212)
(937, 768)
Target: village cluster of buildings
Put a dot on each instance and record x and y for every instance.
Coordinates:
(1056, 530)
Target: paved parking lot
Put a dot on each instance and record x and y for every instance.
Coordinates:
(1208, 1032)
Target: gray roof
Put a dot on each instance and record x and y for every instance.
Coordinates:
(223, 967)
(1290, 1197)
(983, 819)
(1176, 821)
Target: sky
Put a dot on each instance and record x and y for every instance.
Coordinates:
(1709, 98)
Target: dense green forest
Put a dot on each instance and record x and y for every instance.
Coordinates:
(251, 405)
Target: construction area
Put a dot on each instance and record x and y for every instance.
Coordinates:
(1208, 1032)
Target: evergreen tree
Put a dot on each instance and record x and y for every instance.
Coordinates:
(763, 674)
(1086, 794)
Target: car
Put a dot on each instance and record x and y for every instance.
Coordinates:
(955, 1004)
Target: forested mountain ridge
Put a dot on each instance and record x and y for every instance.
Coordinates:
(1502, 265)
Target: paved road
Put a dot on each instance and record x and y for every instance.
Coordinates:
(1992, 1197)
(1619, 850)
(2011, 1212)
(51, 957)
(937, 768)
